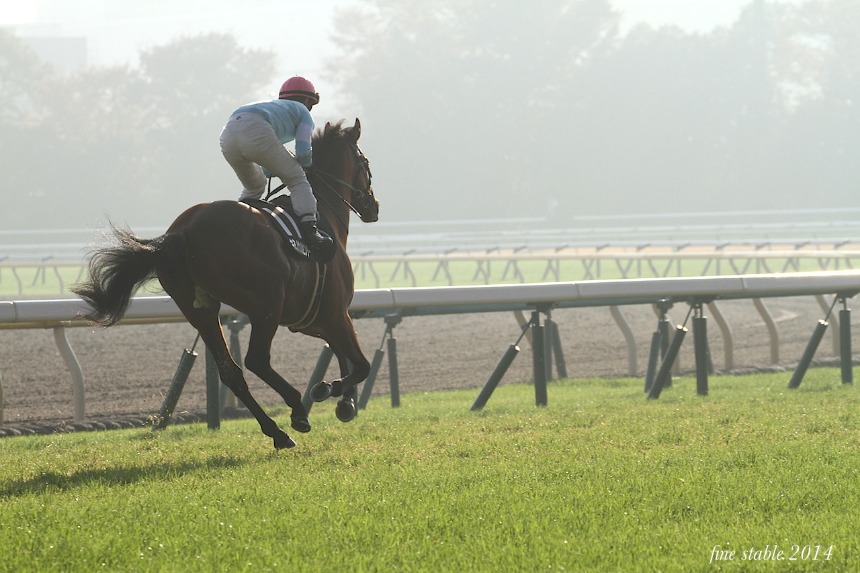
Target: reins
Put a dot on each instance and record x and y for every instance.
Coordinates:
(282, 186)
(365, 194)
(339, 196)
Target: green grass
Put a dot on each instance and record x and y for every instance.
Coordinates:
(600, 480)
(45, 282)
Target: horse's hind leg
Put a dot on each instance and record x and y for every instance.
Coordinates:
(259, 361)
(206, 321)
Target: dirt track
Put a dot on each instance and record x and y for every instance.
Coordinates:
(128, 369)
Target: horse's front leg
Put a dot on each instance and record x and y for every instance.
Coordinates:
(337, 386)
(346, 408)
(354, 369)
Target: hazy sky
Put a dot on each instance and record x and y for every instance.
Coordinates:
(117, 30)
(690, 14)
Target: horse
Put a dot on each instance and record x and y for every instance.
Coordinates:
(230, 252)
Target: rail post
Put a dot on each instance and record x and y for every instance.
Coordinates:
(772, 329)
(659, 343)
(845, 354)
(495, 377)
(700, 341)
(632, 367)
(499, 371)
(811, 347)
(367, 386)
(554, 349)
(539, 360)
(74, 367)
(393, 372)
(653, 359)
(391, 321)
(664, 326)
(806, 359)
(665, 372)
(186, 361)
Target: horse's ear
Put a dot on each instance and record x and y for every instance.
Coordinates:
(355, 132)
(327, 126)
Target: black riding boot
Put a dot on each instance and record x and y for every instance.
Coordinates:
(316, 241)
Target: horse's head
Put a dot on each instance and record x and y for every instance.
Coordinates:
(341, 165)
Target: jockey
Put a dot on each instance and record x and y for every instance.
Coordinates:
(253, 140)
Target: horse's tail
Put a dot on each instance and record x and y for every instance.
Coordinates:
(117, 271)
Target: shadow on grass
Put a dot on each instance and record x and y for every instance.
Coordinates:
(60, 482)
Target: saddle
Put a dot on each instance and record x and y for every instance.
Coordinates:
(281, 210)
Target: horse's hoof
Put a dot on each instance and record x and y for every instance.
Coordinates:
(284, 442)
(321, 392)
(336, 389)
(300, 424)
(345, 410)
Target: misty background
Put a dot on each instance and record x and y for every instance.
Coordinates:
(470, 109)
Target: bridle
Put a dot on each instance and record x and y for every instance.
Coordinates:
(364, 196)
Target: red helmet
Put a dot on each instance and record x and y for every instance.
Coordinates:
(299, 86)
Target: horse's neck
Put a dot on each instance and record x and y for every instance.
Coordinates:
(337, 219)
(331, 204)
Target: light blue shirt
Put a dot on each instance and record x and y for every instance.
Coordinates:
(291, 120)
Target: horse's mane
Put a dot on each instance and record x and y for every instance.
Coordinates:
(325, 136)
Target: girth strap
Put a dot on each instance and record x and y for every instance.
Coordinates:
(314, 304)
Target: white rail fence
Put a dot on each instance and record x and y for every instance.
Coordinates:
(66, 313)
(596, 263)
(555, 263)
(525, 250)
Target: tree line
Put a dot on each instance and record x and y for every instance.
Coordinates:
(550, 108)
(470, 108)
(136, 145)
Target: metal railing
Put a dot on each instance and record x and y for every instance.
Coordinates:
(30, 268)
(535, 298)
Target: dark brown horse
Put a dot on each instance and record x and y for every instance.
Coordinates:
(228, 252)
